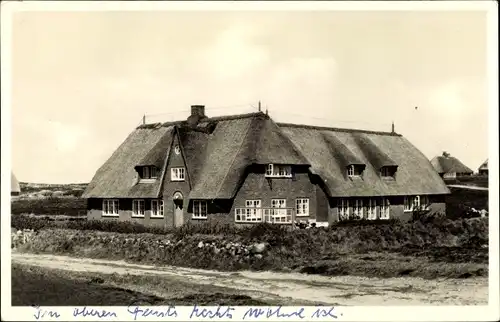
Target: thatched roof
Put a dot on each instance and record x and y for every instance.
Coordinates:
(14, 184)
(448, 164)
(484, 166)
(415, 174)
(118, 178)
(219, 150)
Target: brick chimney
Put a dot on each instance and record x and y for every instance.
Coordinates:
(198, 110)
(197, 113)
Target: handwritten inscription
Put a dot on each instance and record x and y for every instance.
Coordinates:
(136, 312)
(84, 312)
(41, 313)
(220, 312)
(324, 313)
(278, 312)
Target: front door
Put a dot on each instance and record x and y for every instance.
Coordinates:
(178, 209)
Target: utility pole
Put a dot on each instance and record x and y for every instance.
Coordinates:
(259, 106)
(144, 119)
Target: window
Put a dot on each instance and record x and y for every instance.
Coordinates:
(278, 171)
(354, 170)
(387, 172)
(138, 208)
(252, 212)
(145, 172)
(269, 170)
(343, 209)
(110, 208)
(372, 209)
(199, 210)
(279, 215)
(302, 207)
(278, 203)
(149, 172)
(424, 202)
(154, 173)
(385, 208)
(411, 203)
(177, 150)
(157, 208)
(178, 174)
(357, 209)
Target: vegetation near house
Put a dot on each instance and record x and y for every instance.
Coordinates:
(429, 247)
(247, 169)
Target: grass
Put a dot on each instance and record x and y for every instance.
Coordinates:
(44, 287)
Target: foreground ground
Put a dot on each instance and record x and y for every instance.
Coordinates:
(99, 281)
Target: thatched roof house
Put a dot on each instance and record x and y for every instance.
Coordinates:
(224, 164)
(450, 167)
(483, 169)
(15, 188)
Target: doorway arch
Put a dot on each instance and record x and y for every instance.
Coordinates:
(178, 204)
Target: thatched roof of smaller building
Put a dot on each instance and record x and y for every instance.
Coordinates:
(14, 184)
(484, 166)
(447, 164)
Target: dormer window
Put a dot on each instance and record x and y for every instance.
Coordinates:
(355, 170)
(388, 172)
(278, 171)
(148, 173)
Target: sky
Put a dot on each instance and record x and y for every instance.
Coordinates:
(82, 81)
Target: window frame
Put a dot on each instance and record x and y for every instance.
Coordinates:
(387, 172)
(357, 209)
(197, 210)
(411, 202)
(136, 208)
(115, 205)
(343, 209)
(385, 208)
(371, 209)
(354, 171)
(278, 171)
(177, 171)
(278, 200)
(158, 209)
(252, 212)
(303, 204)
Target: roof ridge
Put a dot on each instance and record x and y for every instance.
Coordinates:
(336, 129)
(204, 120)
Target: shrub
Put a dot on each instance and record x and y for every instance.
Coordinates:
(50, 206)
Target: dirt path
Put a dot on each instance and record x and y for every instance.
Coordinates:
(341, 290)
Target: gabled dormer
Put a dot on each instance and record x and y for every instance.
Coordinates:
(355, 170)
(147, 173)
(388, 171)
(278, 171)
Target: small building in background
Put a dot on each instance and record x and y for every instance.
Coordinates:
(483, 169)
(449, 167)
(15, 188)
